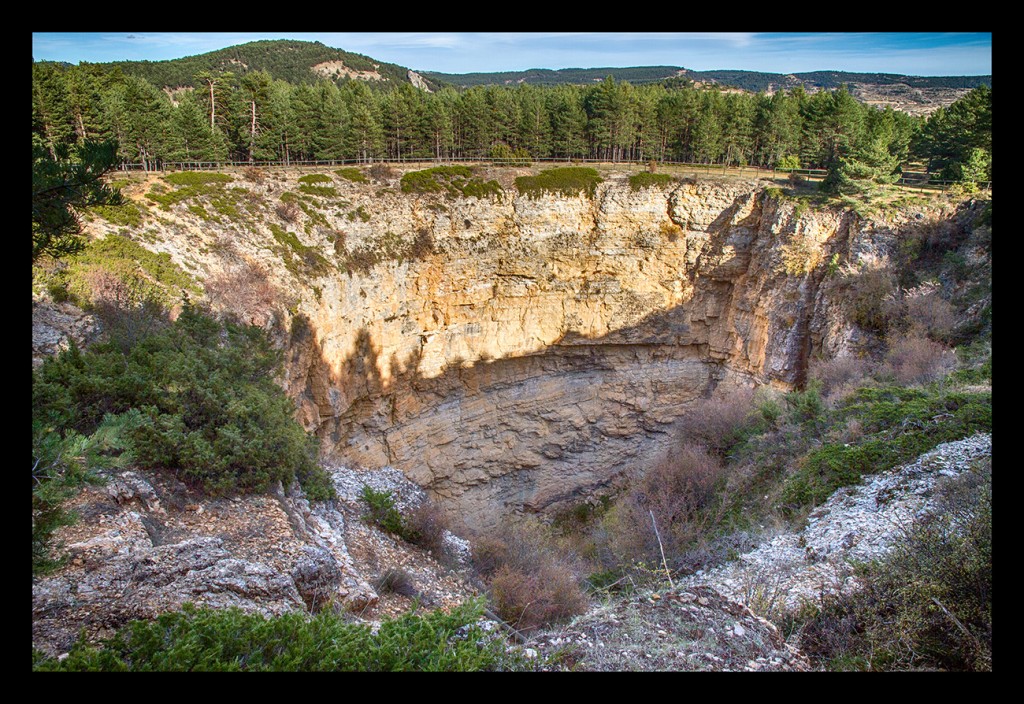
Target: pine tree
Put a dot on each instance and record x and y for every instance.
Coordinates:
(62, 183)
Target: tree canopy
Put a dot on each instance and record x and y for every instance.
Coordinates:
(62, 182)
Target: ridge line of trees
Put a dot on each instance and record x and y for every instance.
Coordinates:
(255, 117)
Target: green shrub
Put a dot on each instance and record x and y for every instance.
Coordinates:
(196, 178)
(61, 465)
(566, 180)
(209, 409)
(453, 180)
(898, 425)
(787, 162)
(353, 174)
(191, 184)
(115, 261)
(127, 214)
(389, 247)
(300, 260)
(360, 213)
(645, 179)
(383, 512)
(203, 640)
(313, 179)
(322, 191)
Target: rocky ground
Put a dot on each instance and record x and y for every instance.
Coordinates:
(857, 524)
(145, 544)
(706, 622)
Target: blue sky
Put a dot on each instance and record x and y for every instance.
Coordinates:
(920, 54)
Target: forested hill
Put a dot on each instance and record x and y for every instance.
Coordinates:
(292, 61)
(754, 81)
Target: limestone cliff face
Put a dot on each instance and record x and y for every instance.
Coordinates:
(540, 348)
(546, 347)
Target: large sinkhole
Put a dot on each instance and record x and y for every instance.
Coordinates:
(526, 365)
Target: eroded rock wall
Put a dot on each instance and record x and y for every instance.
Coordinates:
(547, 346)
(529, 350)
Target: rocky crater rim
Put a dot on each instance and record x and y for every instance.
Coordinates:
(514, 353)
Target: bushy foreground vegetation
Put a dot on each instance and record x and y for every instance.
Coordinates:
(203, 640)
(928, 605)
(194, 397)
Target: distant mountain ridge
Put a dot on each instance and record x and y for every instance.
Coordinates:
(754, 81)
(918, 95)
(289, 60)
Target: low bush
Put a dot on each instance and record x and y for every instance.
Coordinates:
(126, 214)
(322, 191)
(191, 184)
(382, 511)
(531, 598)
(428, 524)
(566, 180)
(647, 179)
(833, 376)
(351, 173)
(532, 581)
(915, 359)
(88, 275)
(61, 465)
(254, 174)
(395, 580)
(381, 172)
(301, 260)
(928, 313)
(389, 247)
(313, 179)
(246, 294)
(898, 424)
(196, 178)
(203, 640)
(873, 299)
(208, 409)
(718, 423)
(679, 492)
(453, 180)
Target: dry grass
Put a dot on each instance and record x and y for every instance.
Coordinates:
(716, 423)
(245, 293)
(677, 492)
(532, 581)
(915, 359)
(289, 212)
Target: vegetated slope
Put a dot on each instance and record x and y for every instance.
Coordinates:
(292, 61)
(339, 252)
